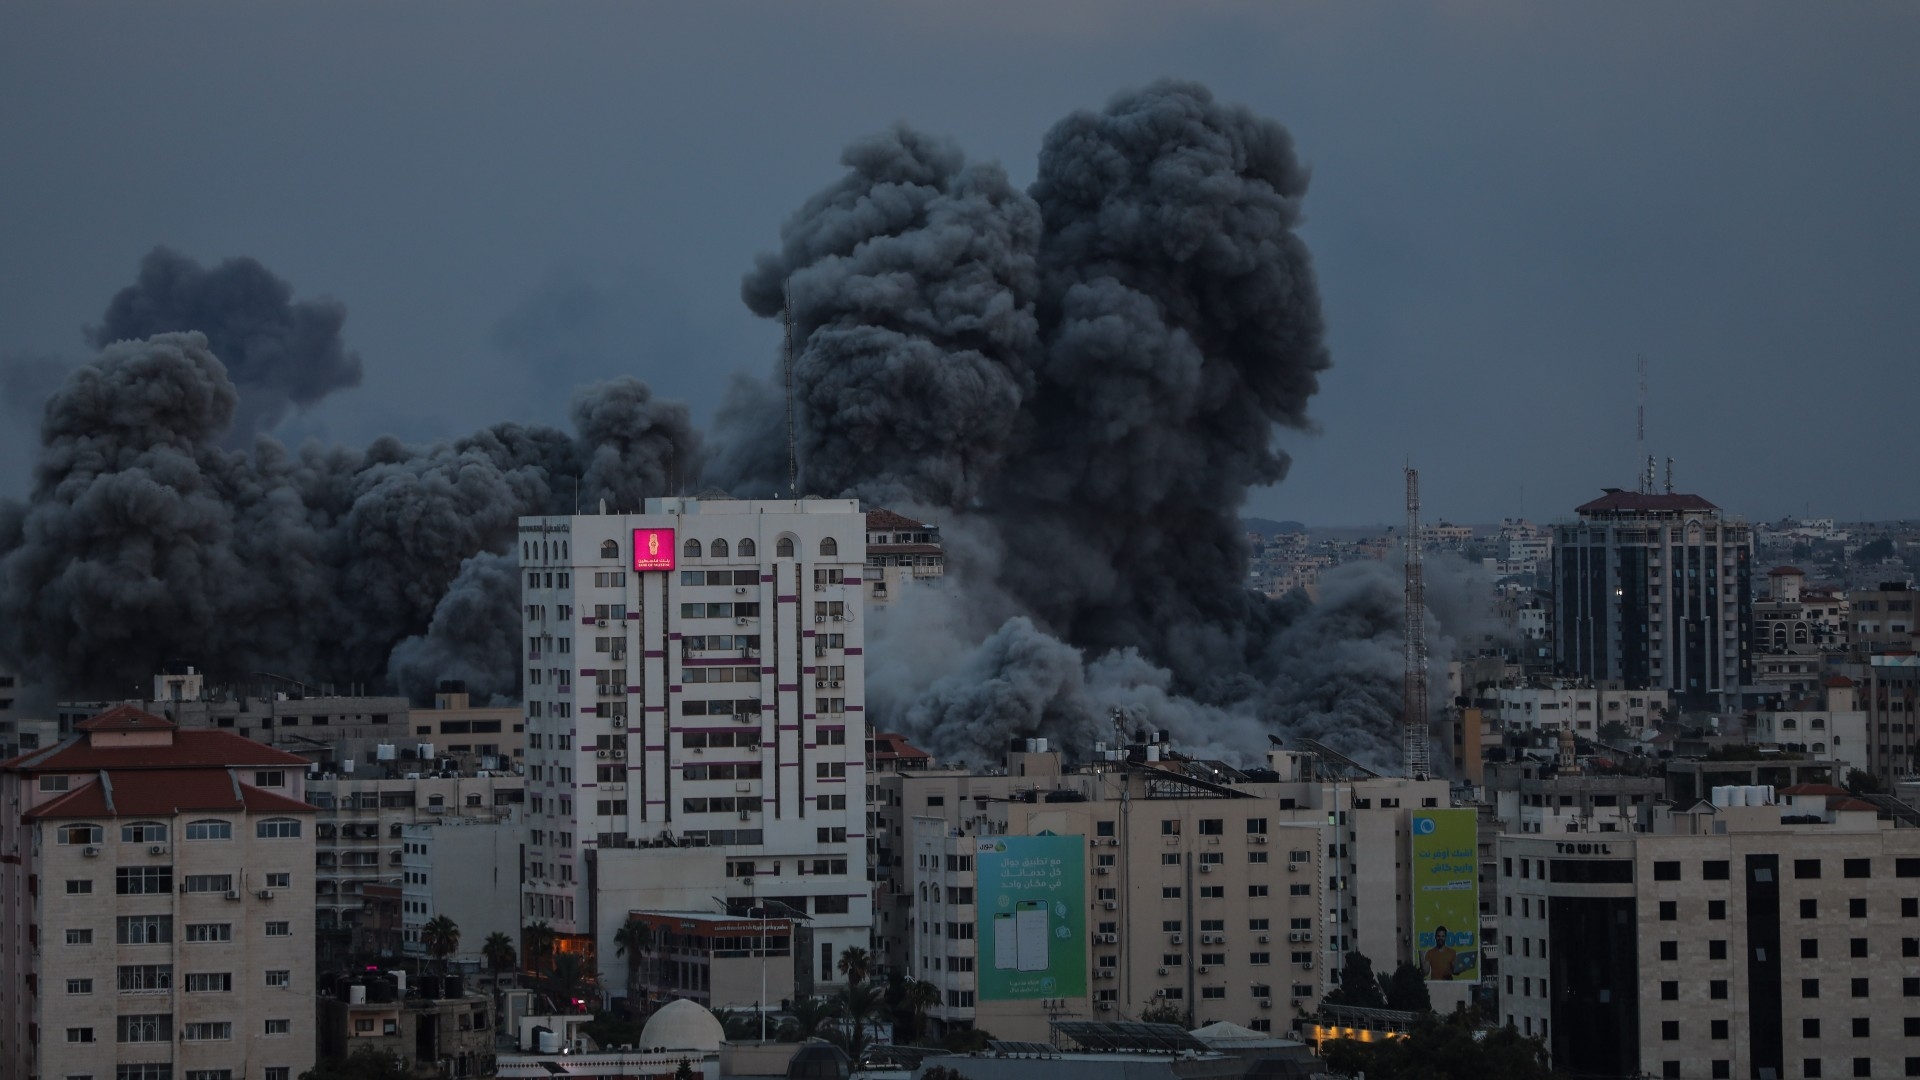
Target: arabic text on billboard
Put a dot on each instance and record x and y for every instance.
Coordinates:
(653, 549)
(1032, 933)
(1446, 895)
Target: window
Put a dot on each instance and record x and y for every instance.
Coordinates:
(277, 829)
(279, 977)
(143, 832)
(79, 1034)
(150, 1027)
(690, 549)
(1669, 910)
(1715, 870)
(209, 1074)
(279, 929)
(278, 1072)
(1862, 1027)
(1212, 827)
(210, 931)
(1256, 890)
(746, 548)
(79, 886)
(1669, 1030)
(1169, 892)
(145, 978)
(1717, 949)
(142, 880)
(1863, 1066)
(609, 550)
(783, 548)
(1717, 989)
(1856, 868)
(1666, 871)
(1810, 1068)
(1809, 988)
(1806, 868)
(280, 1027)
(1857, 987)
(1810, 1027)
(210, 982)
(206, 883)
(208, 1031)
(1716, 909)
(143, 929)
(209, 829)
(1857, 948)
(1857, 908)
(829, 547)
(1169, 858)
(1669, 990)
(1809, 908)
(1718, 1029)
(79, 834)
(79, 986)
(1669, 950)
(281, 880)
(1259, 959)
(1809, 948)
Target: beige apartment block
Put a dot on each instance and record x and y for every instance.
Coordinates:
(1779, 940)
(156, 887)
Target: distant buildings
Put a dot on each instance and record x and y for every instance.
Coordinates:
(1655, 591)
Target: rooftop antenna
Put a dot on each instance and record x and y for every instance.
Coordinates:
(1415, 735)
(793, 460)
(1669, 476)
(1640, 428)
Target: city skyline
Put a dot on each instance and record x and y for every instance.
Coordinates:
(1508, 207)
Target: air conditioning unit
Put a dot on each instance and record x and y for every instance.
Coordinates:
(157, 849)
(619, 721)
(1267, 1003)
(264, 894)
(739, 590)
(1179, 938)
(1259, 838)
(819, 587)
(90, 851)
(1160, 971)
(1213, 939)
(819, 650)
(819, 684)
(1204, 969)
(1103, 973)
(819, 618)
(601, 623)
(600, 753)
(746, 815)
(1112, 906)
(1264, 939)
(1103, 871)
(619, 754)
(1308, 964)
(1162, 991)
(1206, 868)
(1106, 1006)
(741, 621)
(1299, 938)
(233, 894)
(835, 684)
(839, 618)
(1292, 866)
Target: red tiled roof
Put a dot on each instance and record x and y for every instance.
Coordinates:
(889, 745)
(125, 718)
(163, 792)
(190, 750)
(1786, 571)
(1851, 803)
(1813, 789)
(887, 519)
(1618, 501)
(1839, 680)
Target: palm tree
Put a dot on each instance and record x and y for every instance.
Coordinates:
(632, 941)
(498, 951)
(566, 980)
(853, 964)
(538, 939)
(857, 1003)
(441, 936)
(806, 1016)
(921, 996)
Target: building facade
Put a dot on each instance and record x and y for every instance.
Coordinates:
(157, 892)
(694, 675)
(1655, 591)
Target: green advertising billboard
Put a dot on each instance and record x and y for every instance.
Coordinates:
(1446, 895)
(1032, 932)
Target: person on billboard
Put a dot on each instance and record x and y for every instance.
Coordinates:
(1439, 959)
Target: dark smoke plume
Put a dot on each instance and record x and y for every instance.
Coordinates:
(1152, 334)
(144, 539)
(280, 355)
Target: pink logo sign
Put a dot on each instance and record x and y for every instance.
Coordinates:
(653, 549)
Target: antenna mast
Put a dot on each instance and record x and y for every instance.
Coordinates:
(793, 459)
(1416, 734)
(1640, 431)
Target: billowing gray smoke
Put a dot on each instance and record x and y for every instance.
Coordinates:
(1105, 433)
(144, 539)
(280, 355)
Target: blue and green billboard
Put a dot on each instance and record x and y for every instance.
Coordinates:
(1032, 908)
(1446, 894)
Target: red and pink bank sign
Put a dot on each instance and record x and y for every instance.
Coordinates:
(653, 549)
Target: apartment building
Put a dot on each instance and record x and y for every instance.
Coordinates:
(900, 552)
(466, 869)
(694, 675)
(1227, 894)
(1883, 618)
(1767, 941)
(156, 890)
(1891, 698)
(1655, 591)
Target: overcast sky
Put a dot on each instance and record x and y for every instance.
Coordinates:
(1510, 203)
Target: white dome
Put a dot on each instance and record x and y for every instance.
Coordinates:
(683, 1025)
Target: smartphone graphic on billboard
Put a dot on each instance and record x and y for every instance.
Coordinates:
(1030, 920)
(1006, 943)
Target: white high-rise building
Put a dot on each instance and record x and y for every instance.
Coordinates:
(694, 676)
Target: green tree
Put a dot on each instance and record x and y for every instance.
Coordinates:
(441, 936)
(857, 1003)
(1874, 551)
(499, 954)
(805, 1017)
(1358, 987)
(365, 1063)
(1614, 731)
(1864, 783)
(567, 981)
(968, 1041)
(1166, 1012)
(854, 964)
(537, 941)
(633, 941)
(1441, 1049)
(685, 1071)
(921, 996)
(1406, 990)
